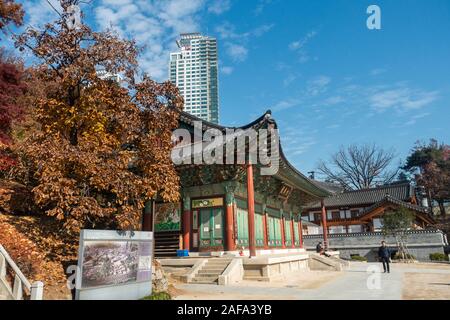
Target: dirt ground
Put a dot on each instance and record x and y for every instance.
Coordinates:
(300, 280)
(415, 281)
(423, 286)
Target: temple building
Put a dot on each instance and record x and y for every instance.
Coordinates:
(362, 210)
(233, 207)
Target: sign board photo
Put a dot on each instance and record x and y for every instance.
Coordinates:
(114, 265)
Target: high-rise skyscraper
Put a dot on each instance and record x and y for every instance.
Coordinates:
(194, 71)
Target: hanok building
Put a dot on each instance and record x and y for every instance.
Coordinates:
(227, 207)
(362, 210)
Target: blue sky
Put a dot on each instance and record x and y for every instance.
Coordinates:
(327, 78)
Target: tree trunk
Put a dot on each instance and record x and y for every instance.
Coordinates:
(442, 208)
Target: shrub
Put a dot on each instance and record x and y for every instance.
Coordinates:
(158, 296)
(357, 257)
(438, 256)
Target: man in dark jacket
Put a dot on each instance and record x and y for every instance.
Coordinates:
(385, 255)
(319, 248)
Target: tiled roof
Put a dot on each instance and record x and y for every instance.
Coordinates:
(287, 172)
(329, 186)
(389, 199)
(400, 191)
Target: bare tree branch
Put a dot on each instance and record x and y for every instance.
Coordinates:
(359, 167)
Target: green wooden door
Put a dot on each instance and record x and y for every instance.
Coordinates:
(287, 231)
(296, 234)
(211, 227)
(274, 225)
(259, 229)
(242, 225)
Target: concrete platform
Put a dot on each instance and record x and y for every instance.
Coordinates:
(264, 267)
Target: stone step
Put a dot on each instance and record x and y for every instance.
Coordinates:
(218, 263)
(201, 281)
(167, 246)
(215, 270)
(206, 279)
(208, 274)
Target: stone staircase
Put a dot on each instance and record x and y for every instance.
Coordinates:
(210, 272)
(166, 243)
(320, 262)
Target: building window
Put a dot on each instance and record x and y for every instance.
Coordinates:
(354, 213)
(335, 215)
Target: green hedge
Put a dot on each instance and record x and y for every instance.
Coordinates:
(158, 296)
(358, 258)
(438, 256)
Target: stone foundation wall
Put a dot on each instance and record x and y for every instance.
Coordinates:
(264, 269)
(420, 243)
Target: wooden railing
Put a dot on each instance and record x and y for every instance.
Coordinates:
(21, 284)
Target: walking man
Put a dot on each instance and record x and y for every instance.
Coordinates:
(385, 255)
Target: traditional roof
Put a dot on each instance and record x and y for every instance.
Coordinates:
(399, 191)
(423, 213)
(389, 199)
(331, 187)
(286, 173)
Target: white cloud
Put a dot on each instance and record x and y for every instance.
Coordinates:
(318, 85)
(402, 98)
(287, 104)
(334, 100)
(289, 80)
(38, 13)
(227, 70)
(262, 4)
(219, 6)
(227, 30)
(155, 24)
(299, 46)
(416, 117)
(237, 52)
(236, 43)
(376, 72)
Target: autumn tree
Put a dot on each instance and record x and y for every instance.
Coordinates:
(359, 167)
(11, 85)
(430, 166)
(11, 89)
(10, 13)
(103, 149)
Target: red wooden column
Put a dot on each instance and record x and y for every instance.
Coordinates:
(283, 238)
(147, 218)
(300, 232)
(324, 225)
(292, 232)
(251, 211)
(229, 218)
(186, 223)
(266, 240)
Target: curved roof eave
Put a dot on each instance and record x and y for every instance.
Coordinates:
(301, 181)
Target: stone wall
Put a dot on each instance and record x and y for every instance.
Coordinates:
(419, 242)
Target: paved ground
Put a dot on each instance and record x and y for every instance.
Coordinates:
(359, 281)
